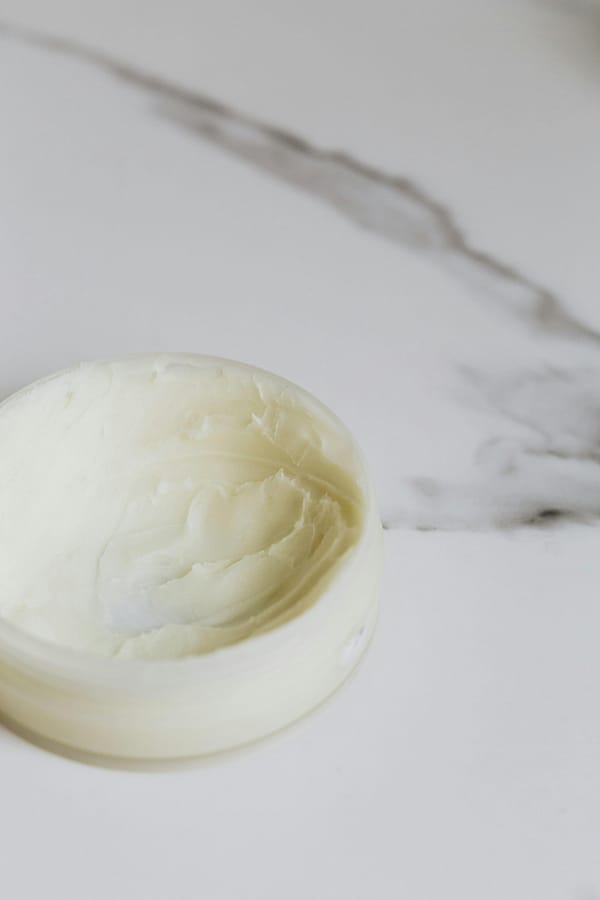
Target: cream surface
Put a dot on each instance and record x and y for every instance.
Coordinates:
(161, 507)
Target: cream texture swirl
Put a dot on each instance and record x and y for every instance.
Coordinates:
(155, 507)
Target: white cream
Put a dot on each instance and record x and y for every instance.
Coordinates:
(190, 556)
(156, 508)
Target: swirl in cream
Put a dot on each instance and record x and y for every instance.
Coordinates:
(156, 507)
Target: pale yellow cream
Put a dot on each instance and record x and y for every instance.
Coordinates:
(157, 507)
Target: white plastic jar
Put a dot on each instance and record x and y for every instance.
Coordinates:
(191, 555)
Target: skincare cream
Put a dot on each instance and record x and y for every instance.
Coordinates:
(190, 555)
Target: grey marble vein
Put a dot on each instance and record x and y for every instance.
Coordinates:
(548, 470)
(393, 207)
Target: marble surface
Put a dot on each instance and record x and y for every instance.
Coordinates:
(396, 205)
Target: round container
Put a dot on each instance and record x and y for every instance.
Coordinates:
(164, 708)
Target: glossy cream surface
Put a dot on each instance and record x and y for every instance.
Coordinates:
(159, 507)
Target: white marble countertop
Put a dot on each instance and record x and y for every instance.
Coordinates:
(397, 205)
